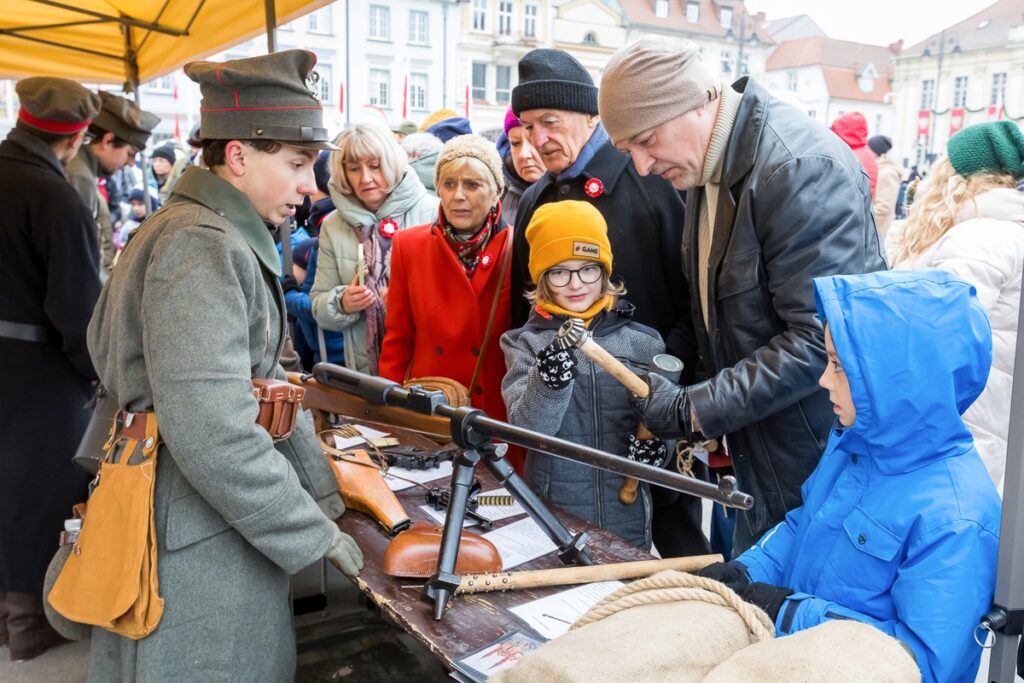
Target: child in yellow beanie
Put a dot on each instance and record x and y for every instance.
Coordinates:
(558, 392)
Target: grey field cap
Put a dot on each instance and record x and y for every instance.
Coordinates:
(123, 118)
(56, 105)
(271, 97)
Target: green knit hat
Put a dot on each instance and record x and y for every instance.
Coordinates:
(996, 147)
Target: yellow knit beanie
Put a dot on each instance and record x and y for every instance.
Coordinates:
(562, 231)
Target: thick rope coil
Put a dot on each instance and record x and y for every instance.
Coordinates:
(674, 586)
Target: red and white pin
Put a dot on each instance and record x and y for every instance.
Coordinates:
(593, 188)
(388, 227)
(486, 261)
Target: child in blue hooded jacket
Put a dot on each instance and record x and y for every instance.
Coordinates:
(900, 522)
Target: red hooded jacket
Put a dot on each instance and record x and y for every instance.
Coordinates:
(853, 129)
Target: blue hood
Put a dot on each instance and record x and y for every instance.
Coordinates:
(916, 347)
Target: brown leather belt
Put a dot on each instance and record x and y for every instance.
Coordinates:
(133, 425)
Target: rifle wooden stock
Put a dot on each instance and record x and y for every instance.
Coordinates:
(330, 400)
(567, 576)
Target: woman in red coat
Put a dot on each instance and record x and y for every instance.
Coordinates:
(445, 276)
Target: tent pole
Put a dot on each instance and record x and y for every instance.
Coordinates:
(271, 25)
(1007, 614)
(131, 65)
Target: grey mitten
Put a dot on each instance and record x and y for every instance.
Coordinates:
(556, 366)
(345, 554)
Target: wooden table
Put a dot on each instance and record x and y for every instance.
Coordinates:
(474, 620)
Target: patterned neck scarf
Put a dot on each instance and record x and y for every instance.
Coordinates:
(377, 253)
(468, 249)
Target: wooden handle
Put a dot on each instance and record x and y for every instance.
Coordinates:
(614, 367)
(567, 576)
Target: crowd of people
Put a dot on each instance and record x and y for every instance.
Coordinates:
(865, 409)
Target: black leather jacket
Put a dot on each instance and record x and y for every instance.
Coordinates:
(798, 206)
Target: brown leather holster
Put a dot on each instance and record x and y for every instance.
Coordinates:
(279, 404)
(363, 488)
(413, 553)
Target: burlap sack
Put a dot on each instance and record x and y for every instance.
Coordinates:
(672, 627)
(834, 652)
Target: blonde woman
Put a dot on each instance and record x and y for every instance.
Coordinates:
(376, 194)
(968, 218)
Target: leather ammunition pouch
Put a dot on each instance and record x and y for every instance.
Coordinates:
(413, 553)
(279, 404)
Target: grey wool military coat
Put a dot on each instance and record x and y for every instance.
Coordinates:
(192, 312)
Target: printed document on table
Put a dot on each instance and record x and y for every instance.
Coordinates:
(343, 442)
(520, 542)
(552, 616)
(442, 471)
(491, 512)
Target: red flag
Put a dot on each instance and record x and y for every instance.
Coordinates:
(467, 101)
(956, 120)
(405, 98)
(341, 98)
(995, 112)
(924, 122)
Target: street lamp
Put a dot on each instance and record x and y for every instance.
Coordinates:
(942, 43)
(743, 40)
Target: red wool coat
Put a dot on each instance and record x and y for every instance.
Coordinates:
(436, 315)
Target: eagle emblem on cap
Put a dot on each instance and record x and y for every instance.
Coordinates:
(313, 85)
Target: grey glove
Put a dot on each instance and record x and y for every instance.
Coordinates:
(666, 410)
(345, 554)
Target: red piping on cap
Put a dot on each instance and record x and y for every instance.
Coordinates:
(58, 127)
(298, 106)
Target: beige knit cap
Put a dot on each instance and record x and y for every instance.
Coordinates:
(649, 82)
(473, 146)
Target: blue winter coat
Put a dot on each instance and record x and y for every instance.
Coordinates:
(900, 522)
(300, 307)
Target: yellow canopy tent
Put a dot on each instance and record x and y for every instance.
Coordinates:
(129, 41)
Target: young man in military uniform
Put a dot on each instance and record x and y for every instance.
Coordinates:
(48, 274)
(191, 314)
(118, 132)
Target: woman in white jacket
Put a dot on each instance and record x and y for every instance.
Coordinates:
(375, 193)
(968, 219)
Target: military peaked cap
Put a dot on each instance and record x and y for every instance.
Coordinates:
(123, 118)
(56, 105)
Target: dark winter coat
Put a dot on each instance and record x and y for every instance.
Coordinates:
(49, 276)
(645, 219)
(798, 206)
(594, 410)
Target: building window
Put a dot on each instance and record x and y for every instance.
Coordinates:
(661, 8)
(726, 17)
(791, 81)
(745, 64)
(505, 17)
(503, 84)
(479, 15)
(960, 91)
(418, 27)
(811, 114)
(418, 91)
(324, 74)
(479, 81)
(590, 38)
(380, 87)
(726, 62)
(162, 84)
(320, 21)
(927, 92)
(530, 21)
(998, 90)
(878, 124)
(693, 12)
(380, 22)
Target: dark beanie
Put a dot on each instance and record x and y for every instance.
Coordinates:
(996, 147)
(164, 152)
(321, 171)
(880, 144)
(553, 79)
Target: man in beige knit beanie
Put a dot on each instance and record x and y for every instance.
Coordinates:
(774, 200)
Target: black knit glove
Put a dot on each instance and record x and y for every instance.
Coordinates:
(556, 366)
(647, 451)
(767, 597)
(289, 284)
(732, 574)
